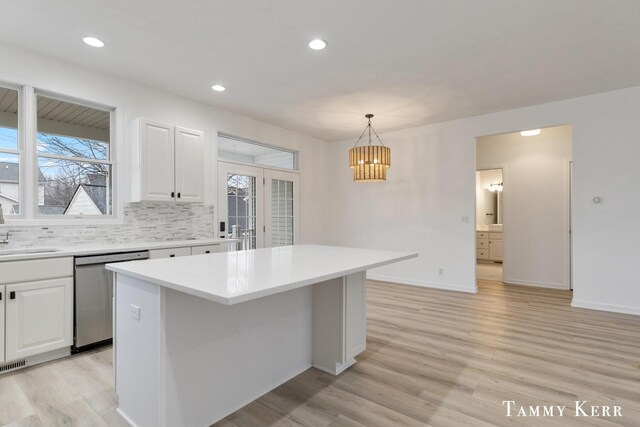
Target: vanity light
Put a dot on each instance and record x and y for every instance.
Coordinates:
(218, 88)
(369, 162)
(317, 44)
(495, 187)
(531, 132)
(93, 42)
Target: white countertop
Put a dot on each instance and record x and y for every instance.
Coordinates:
(233, 277)
(102, 248)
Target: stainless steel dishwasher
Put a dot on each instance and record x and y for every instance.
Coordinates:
(93, 299)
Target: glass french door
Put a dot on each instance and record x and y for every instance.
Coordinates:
(259, 206)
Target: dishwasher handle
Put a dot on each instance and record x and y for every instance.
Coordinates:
(106, 259)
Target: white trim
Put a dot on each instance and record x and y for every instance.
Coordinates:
(422, 283)
(258, 165)
(126, 418)
(626, 309)
(549, 285)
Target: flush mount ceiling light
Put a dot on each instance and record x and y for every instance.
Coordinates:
(218, 88)
(317, 44)
(369, 162)
(531, 132)
(93, 42)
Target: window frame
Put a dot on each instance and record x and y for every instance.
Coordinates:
(27, 134)
(20, 152)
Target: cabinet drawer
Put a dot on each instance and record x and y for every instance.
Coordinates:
(483, 254)
(36, 269)
(482, 243)
(169, 253)
(495, 236)
(207, 249)
(482, 234)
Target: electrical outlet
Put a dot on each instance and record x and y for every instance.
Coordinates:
(464, 219)
(441, 271)
(134, 312)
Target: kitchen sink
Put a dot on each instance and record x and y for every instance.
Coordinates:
(27, 251)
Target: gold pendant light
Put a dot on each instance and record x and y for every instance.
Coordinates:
(369, 162)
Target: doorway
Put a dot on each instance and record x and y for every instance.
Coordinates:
(490, 184)
(535, 198)
(258, 205)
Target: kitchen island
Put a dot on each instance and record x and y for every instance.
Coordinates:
(197, 338)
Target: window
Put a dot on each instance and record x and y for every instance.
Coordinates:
(73, 159)
(9, 152)
(241, 150)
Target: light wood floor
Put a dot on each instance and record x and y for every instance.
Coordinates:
(433, 358)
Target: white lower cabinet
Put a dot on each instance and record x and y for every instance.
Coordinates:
(208, 249)
(2, 302)
(169, 253)
(39, 317)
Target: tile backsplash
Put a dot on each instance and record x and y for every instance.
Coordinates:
(145, 221)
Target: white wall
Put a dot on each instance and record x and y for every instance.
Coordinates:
(135, 100)
(431, 186)
(536, 203)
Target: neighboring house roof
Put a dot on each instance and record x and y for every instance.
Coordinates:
(96, 195)
(10, 172)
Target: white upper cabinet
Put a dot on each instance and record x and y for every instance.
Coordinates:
(167, 163)
(189, 160)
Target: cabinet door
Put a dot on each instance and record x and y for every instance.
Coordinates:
(208, 249)
(3, 296)
(156, 161)
(189, 154)
(169, 253)
(39, 317)
(495, 250)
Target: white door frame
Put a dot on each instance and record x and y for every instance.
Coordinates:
(263, 198)
(224, 169)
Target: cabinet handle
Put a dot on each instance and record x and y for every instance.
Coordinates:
(206, 252)
(173, 194)
(12, 295)
(178, 195)
(172, 256)
(0, 296)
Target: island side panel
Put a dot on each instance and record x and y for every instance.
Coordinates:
(138, 351)
(219, 358)
(339, 322)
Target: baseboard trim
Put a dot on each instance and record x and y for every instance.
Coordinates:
(560, 286)
(422, 283)
(625, 309)
(125, 418)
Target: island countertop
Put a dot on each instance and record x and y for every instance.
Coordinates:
(234, 277)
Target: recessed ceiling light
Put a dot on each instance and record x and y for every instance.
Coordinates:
(317, 44)
(218, 88)
(92, 41)
(532, 132)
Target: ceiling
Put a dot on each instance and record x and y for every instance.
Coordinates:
(409, 62)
